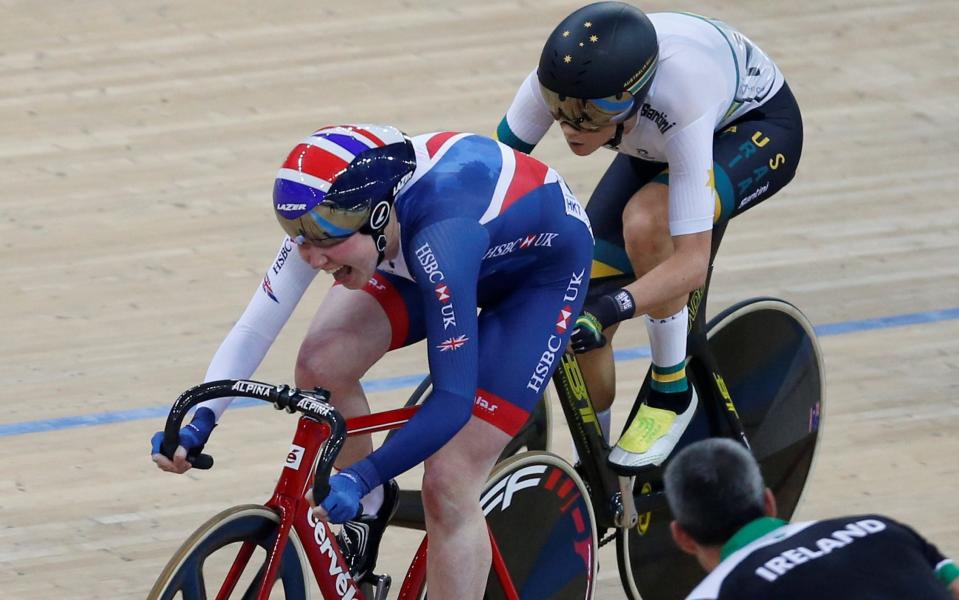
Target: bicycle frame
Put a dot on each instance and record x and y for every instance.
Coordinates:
(609, 505)
(317, 539)
(329, 567)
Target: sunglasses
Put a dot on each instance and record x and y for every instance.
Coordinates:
(588, 114)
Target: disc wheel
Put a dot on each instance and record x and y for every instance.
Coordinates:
(767, 352)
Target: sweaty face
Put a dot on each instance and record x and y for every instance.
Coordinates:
(352, 262)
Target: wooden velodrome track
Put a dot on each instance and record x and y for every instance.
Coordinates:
(138, 146)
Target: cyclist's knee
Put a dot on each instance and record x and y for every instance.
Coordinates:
(454, 476)
(646, 228)
(332, 359)
(449, 493)
(349, 333)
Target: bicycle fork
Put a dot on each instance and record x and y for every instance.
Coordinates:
(591, 445)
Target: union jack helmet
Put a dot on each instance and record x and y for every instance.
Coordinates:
(341, 180)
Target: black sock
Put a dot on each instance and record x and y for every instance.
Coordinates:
(674, 401)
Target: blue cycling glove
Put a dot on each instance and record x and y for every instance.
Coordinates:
(192, 437)
(342, 503)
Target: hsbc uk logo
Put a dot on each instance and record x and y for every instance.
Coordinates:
(281, 259)
(454, 343)
(282, 255)
(533, 240)
(554, 343)
(431, 268)
(562, 321)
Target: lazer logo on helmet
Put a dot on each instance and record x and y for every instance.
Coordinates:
(380, 215)
(290, 207)
(399, 184)
(345, 588)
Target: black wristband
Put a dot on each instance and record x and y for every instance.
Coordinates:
(613, 308)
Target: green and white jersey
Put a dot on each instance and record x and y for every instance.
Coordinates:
(709, 74)
(849, 558)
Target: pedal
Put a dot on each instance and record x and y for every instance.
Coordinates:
(376, 587)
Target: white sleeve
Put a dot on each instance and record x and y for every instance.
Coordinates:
(528, 116)
(268, 311)
(691, 196)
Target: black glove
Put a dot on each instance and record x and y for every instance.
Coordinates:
(599, 314)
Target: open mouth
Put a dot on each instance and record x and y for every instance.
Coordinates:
(341, 273)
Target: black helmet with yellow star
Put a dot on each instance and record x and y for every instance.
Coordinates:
(597, 65)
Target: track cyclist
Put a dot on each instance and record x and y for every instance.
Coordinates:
(420, 234)
(704, 127)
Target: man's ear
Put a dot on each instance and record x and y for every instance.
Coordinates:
(770, 503)
(683, 539)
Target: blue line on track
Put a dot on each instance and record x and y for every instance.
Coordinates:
(406, 381)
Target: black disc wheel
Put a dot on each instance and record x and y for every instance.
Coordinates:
(541, 518)
(770, 361)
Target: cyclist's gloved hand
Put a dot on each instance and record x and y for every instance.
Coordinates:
(192, 438)
(342, 503)
(587, 333)
(599, 314)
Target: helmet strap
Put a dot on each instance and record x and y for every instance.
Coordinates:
(382, 210)
(376, 226)
(379, 241)
(617, 137)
